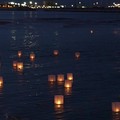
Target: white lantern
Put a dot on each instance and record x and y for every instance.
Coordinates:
(20, 66)
(68, 84)
(51, 78)
(32, 56)
(60, 77)
(56, 52)
(77, 55)
(19, 53)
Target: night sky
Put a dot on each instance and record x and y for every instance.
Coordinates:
(85, 2)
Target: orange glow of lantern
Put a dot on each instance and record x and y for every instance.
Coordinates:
(32, 56)
(77, 55)
(58, 99)
(14, 64)
(56, 52)
(116, 107)
(60, 78)
(69, 76)
(20, 66)
(51, 78)
(59, 108)
(68, 91)
(1, 81)
(68, 84)
(19, 53)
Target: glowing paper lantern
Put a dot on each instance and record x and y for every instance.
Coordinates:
(56, 52)
(59, 99)
(60, 77)
(1, 81)
(116, 107)
(32, 56)
(51, 78)
(19, 53)
(77, 55)
(68, 84)
(14, 64)
(20, 66)
(69, 76)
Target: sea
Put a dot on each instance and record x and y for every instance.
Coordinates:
(28, 94)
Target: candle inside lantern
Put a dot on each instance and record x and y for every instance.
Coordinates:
(56, 52)
(69, 76)
(32, 56)
(20, 66)
(19, 53)
(51, 78)
(68, 84)
(1, 81)
(77, 55)
(116, 107)
(59, 99)
(60, 77)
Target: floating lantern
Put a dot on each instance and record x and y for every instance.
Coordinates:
(19, 53)
(32, 56)
(69, 76)
(14, 64)
(58, 99)
(51, 78)
(56, 52)
(116, 107)
(68, 84)
(60, 78)
(20, 66)
(1, 81)
(77, 55)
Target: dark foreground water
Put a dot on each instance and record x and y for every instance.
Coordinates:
(29, 95)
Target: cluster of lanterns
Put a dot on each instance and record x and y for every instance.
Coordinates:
(17, 65)
(116, 110)
(60, 78)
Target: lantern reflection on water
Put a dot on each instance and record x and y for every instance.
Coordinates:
(32, 56)
(68, 91)
(20, 66)
(58, 99)
(19, 53)
(116, 107)
(56, 52)
(77, 55)
(69, 76)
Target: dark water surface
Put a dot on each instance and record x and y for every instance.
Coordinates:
(29, 95)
